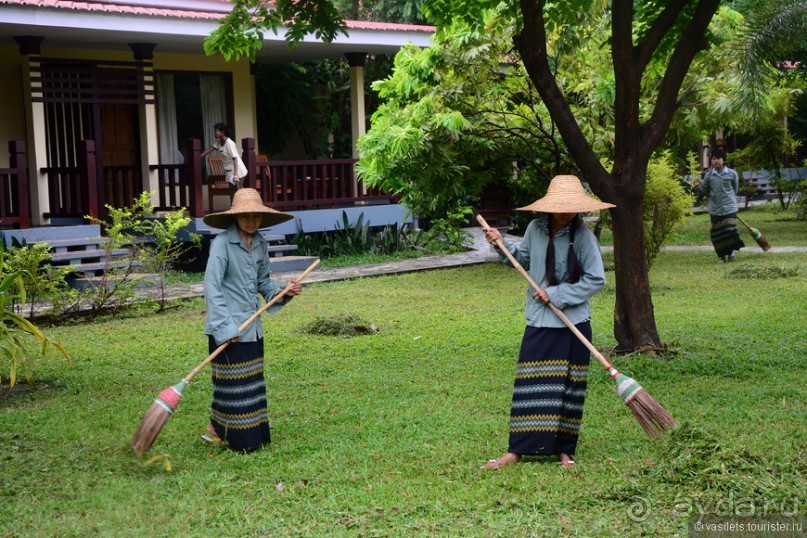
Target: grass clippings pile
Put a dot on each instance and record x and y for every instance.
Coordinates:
(344, 324)
(757, 272)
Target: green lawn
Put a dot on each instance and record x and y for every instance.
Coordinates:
(779, 227)
(383, 435)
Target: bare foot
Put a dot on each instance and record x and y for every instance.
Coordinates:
(566, 461)
(504, 461)
(211, 430)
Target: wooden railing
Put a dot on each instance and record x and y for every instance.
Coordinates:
(318, 184)
(84, 189)
(14, 208)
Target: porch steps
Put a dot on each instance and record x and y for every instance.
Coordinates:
(85, 255)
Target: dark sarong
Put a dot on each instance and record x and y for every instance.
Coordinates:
(725, 236)
(549, 391)
(238, 412)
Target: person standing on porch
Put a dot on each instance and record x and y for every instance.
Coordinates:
(237, 272)
(563, 257)
(234, 168)
(721, 184)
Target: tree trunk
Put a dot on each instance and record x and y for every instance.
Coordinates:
(634, 320)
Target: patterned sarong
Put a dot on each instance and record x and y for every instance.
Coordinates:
(549, 391)
(238, 412)
(725, 236)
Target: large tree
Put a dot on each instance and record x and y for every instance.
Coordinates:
(661, 35)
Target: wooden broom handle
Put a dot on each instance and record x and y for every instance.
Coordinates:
(499, 243)
(750, 229)
(249, 320)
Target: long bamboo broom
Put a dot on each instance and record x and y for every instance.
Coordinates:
(758, 237)
(654, 419)
(168, 399)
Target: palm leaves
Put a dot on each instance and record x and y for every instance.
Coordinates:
(15, 330)
(773, 35)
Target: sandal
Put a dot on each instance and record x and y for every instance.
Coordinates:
(211, 439)
(494, 464)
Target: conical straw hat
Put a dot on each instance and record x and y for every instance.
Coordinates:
(566, 195)
(246, 201)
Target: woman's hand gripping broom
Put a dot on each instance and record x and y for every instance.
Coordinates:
(167, 400)
(654, 419)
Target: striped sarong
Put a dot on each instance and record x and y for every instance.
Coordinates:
(549, 391)
(238, 412)
(725, 236)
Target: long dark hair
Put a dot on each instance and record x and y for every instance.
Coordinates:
(571, 259)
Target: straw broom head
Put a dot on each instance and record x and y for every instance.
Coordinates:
(651, 415)
(760, 239)
(158, 414)
(757, 235)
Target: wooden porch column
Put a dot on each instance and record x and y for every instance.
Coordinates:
(88, 169)
(35, 127)
(358, 122)
(248, 156)
(193, 168)
(147, 117)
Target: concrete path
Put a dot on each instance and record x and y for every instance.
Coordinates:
(479, 252)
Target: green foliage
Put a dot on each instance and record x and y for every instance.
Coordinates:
(400, 11)
(457, 116)
(773, 33)
(801, 199)
(446, 235)
(666, 203)
(167, 249)
(352, 239)
(16, 332)
(240, 33)
(41, 281)
(114, 289)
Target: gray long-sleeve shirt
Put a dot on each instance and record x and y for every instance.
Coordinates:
(572, 298)
(722, 188)
(233, 279)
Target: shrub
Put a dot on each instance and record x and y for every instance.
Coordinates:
(348, 239)
(16, 330)
(166, 250)
(41, 281)
(666, 203)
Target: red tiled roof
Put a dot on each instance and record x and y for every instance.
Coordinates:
(135, 8)
(117, 7)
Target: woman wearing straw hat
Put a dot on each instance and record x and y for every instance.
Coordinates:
(237, 271)
(563, 257)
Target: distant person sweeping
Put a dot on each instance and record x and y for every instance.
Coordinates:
(237, 272)
(721, 184)
(234, 168)
(563, 257)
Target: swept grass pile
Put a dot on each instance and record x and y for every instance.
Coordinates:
(344, 324)
(752, 271)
